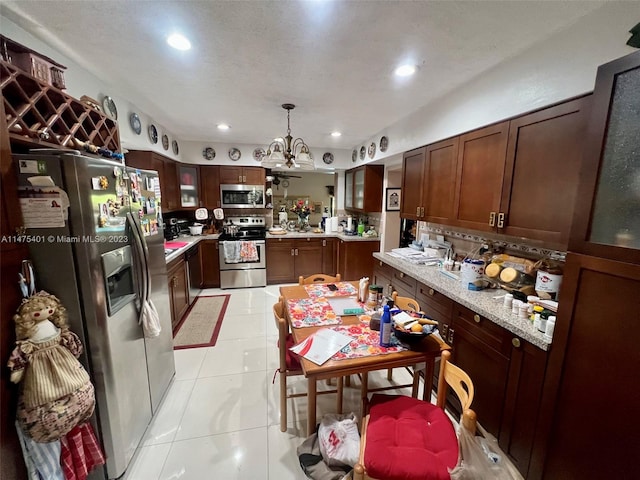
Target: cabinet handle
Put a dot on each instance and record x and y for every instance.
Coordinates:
(431, 292)
(244, 179)
(476, 318)
(324, 243)
(450, 337)
(492, 219)
(401, 274)
(516, 342)
(422, 211)
(501, 220)
(445, 330)
(296, 252)
(293, 252)
(380, 263)
(417, 211)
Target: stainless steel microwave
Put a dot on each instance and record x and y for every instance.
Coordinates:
(242, 196)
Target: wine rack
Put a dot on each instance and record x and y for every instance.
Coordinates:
(40, 114)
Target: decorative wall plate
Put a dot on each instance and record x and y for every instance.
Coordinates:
(354, 155)
(362, 152)
(174, 146)
(136, 125)
(258, 153)
(234, 154)
(327, 158)
(209, 153)
(153, 133)
(384, 143)
(372, 150)
(165, 142)
(110, 107)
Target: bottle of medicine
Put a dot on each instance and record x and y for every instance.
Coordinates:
(523, 311)
(537, 309)
(372, 298)
(385, 325)
(531, 300)
(508, 300)
(551, 325)
(515, 306)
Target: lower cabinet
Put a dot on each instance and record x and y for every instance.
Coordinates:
(178, 290)
(210, 263)
(287, 259)
(355, 259)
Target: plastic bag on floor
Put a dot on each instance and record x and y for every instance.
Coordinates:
(314, 465)
(339, 439)
(481, 457)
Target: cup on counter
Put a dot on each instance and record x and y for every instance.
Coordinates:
(340, 229)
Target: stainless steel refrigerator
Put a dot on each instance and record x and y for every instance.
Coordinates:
(102, 256)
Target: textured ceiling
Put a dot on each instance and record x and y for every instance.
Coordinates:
(333, 59)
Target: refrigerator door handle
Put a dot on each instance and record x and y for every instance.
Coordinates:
(140, 256)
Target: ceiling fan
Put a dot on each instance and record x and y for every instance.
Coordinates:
(277, 176)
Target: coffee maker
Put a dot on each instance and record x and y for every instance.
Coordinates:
(171, 229)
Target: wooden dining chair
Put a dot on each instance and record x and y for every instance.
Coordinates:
(289, 365)
(397, 424)
(404, 303)
(318, 278)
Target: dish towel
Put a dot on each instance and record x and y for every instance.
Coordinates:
(231, 252)
(248, 251)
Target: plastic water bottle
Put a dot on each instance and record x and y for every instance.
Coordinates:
(385, 326)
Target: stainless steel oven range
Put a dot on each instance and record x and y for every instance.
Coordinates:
(242, 251)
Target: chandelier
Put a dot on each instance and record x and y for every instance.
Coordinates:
(287, 151)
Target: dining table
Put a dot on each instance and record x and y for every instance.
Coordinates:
(430, 348)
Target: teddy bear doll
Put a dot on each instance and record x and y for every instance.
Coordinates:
(56, 393)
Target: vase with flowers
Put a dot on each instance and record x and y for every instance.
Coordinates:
(302, 209)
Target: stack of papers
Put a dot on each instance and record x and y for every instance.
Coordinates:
(322, 345)
(430, 255)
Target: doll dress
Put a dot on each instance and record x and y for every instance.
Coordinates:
(56, 392)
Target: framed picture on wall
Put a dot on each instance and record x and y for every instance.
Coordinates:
(393, 200)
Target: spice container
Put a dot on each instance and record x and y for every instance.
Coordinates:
(372, 298)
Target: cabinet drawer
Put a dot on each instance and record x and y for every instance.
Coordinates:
(482, 328)
(404, 283)
(433, 299)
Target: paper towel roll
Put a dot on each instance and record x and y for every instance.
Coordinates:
(349, 223)
(334, 224)
(327, 225)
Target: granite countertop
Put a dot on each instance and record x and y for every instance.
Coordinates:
(190, 240)
(341, 236)
(481, 302)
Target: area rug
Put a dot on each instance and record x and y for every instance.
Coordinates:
(201, 325)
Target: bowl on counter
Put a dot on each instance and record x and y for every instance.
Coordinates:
(196, 229)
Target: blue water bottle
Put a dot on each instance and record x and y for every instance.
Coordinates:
(385, 326)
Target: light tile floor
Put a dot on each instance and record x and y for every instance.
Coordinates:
(220, 418)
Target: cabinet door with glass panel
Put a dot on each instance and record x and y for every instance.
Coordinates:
(188, 178)
(607, 220)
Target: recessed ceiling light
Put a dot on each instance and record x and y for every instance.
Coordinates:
(179, 42)
(278, 139)
(336, 134)
(223, 126)
(405, 70)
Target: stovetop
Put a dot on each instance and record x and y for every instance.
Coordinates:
(250, 234)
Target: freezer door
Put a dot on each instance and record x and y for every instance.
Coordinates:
(159, 350)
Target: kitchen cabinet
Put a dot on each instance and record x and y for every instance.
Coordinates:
(429, 174)
(189, 185)
(289, 258)
(363, 188)
(541, 173)
(210, 186)
(355, 259)
(589, 385)
(166, 168)
(480, 170)
(210, 263)
(246, 175)
(329, 256)
(178, 283)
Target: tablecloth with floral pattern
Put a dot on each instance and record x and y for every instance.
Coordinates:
(311, 312)
(318, 290)
(366, 343)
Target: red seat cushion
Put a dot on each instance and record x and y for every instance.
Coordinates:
(293, 363)
(408, 439)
